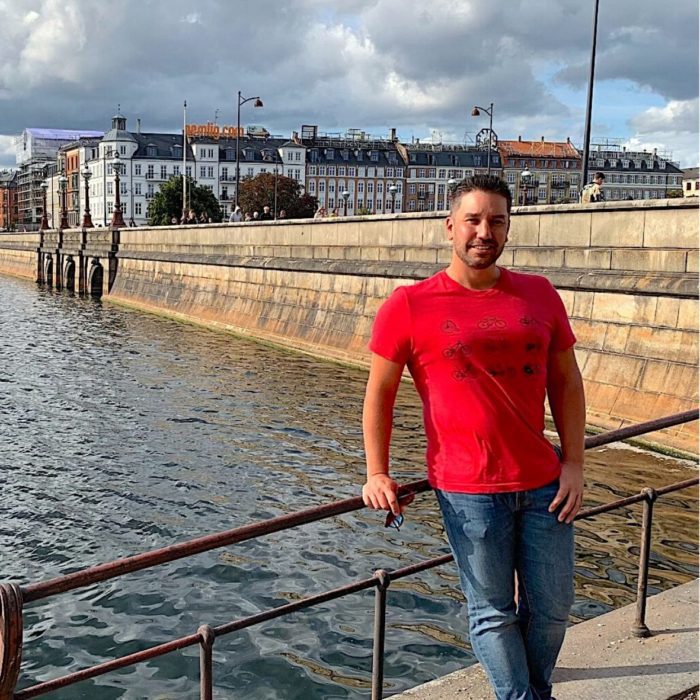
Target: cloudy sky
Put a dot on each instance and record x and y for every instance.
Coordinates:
(368, 64)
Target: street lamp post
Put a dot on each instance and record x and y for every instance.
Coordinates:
(44, 217)
(589, 101)
(393, 189)
(345, 195)
(87, 218)
(62, 187)
(475, 113)
(451, 183)
(117, 216)
(241, 101)
(525, 177)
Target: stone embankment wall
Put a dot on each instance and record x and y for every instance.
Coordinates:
(627, 273)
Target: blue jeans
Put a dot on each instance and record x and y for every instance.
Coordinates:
(492, 536)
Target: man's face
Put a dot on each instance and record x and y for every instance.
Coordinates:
(599, 181)
(478, 228)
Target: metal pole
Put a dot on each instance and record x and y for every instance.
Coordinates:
(589, 103)
(184, 161)
(640, 628)
(238, 137)
(206, 673)
(379, 633)
(488, 169)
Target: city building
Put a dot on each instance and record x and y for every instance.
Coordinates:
(691, 182)
(9, 211)
(259, 153)
(431, 167)
(71, 161)
(541, 172)
(364, 167)
(36, 151)
(634, 174)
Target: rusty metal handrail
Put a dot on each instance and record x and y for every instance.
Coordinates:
(119, 567)
(12, 596)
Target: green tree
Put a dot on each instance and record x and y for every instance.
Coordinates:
(167, 203)
(674, 194)
(258, 192)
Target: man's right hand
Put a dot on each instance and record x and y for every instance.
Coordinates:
(380, 493)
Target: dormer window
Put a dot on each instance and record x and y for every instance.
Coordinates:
(345, 154)
(313, 155)
(662, 165)
(177, 150)
(374, 156)
(358, 153)
(330, 153)
(266, 154)
(151, 150)
(230, 154)
(411, 157)
(248, 153)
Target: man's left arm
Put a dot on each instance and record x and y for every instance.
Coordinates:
(568, 406)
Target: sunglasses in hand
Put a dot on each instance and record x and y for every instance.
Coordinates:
(395, 521)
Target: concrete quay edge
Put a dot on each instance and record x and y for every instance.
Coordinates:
(601, 659)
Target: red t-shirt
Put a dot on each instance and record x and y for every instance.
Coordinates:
(479, 362)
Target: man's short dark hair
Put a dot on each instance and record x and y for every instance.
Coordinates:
(599, 175)
(480, 183)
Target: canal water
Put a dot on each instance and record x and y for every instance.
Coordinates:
(122, 432)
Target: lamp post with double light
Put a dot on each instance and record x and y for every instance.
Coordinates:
(62, 188)
(117, 216)
(477, 112)
(393, 189)
(451, 184)
(44, 217)
(345, 195)
(257, 102)
(87, 218)
(525, 178)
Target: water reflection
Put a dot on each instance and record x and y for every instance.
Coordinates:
(123, 432)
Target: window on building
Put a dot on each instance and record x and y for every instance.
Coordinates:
(330, 153)
(110, 187)
(421, 172)
(202, 171)
(163, 172)
(321, 169)
(360, 187)
(151, 151)
(176, 170)
(137, 169)
(412, 188)
(341, 170)
(250, 172)
(351, 172)
(210, 171)
(188, 171)
(312, 185)
(137, 188)
(150, 173)
(321, 186)
(137, 208)
(331, 170)
(370, 188)
(312, 170)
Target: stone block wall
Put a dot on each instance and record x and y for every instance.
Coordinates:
(18, 254)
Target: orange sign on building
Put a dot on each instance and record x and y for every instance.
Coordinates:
(213, 131)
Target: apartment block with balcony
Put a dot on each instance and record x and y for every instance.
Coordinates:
(365, 167)
(541, 172)
(633, 174)
(431, 167)
(9, 211)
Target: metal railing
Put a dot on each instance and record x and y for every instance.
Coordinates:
(13, 597)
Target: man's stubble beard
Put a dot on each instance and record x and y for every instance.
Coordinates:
(479, 263)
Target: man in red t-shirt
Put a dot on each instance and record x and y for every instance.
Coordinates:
(484, 346)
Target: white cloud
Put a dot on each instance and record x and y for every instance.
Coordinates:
(370, 64)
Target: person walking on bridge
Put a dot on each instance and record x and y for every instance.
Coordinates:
(484, 346)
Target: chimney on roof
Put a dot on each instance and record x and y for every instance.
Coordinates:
(392, 135)
(138, 125)
(295, 136)
(543, 139)
(520, 138)
(568, 140)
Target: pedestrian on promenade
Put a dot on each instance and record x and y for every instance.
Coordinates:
(236, 216)
(593, 191)
(483, 345)
(266, 214)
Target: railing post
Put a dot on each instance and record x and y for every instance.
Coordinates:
(640, 628)
(379, 633)
(206, 644)
(11, 633)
